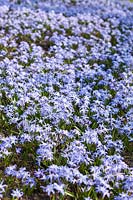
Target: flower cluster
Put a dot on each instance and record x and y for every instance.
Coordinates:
(66, 75)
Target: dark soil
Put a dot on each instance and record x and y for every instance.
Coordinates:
(128, 155)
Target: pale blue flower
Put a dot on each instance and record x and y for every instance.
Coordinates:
(17, 193)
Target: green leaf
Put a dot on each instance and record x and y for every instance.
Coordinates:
(69, 194)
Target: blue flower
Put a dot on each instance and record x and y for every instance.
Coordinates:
(17, 193)
(2, 188)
